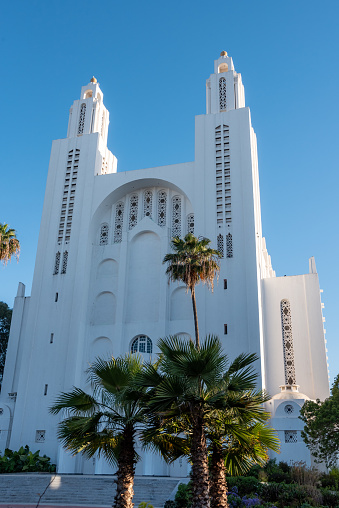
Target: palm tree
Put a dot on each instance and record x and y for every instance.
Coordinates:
(239, 438)
(107, 421)
(192, 261)
(187, 388)
(9, 244)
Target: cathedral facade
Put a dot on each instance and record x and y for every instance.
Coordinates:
(100, 288)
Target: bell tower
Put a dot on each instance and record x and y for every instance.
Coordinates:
(224, 88)
(88, 114)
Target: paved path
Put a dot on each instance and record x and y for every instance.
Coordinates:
(23, 490)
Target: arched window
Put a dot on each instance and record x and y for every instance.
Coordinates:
(82, 119)
(64, 262)
(148, 198)
(190, 223)
(223, 68)
(88, 94)
(222, 94)
(142, 344)
(162, 202)
(133, 211)
(220, 243)
(57, 263)
(286, 324)
(104, 234)
(176, 216)
(229, 246)
(119, 217)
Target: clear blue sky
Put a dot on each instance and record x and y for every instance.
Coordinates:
(152, 59)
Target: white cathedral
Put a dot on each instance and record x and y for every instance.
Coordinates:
(100, 288)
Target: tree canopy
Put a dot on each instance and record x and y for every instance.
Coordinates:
(9, 244)
(321, 431)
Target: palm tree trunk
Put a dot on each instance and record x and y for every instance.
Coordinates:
(125, 474)
(218, 486)
(200, 477)
(195, 314)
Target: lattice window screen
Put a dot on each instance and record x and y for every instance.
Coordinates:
(67, 205)
(162, 203)
(133, 211)
(229, 246)
(82, 119)
(190, 223)
(222, 94)
(220, 243)
(40, 436)
(57, 263)
(176, 216)
(148, 199)
(64, 262)
(286, 324)
(291, 436)
(104, 230)
(119, 217)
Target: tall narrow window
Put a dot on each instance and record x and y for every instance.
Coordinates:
(51, 339)
(56, 297)
(82, 119)
(57, 263)
(220, 243)
(225, 329)
(46, 389)
(148, 198)
(104, 234)
(286, 324)
(133, 211)
(119, 217)
(225, 283)
(176, 216)
(190, 223)
(162, 203)
(64, 262)
(222, 94)
(229, 246)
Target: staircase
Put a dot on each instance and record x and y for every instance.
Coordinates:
(79, 490)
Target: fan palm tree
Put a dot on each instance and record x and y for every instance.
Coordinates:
(192, 261)
(9, 244)
(187, 388)
(107, 421)
(239, 438)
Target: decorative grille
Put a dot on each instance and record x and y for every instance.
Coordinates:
(229, 246)
(220, 243)
(286, 324)
(291, 436)
(104, 234)
(57, 263)
(162, 202)
(119, 217)
(289, 409)
(222, 94)
(176, 216)
(40, 436)
(67, 205)
(223, 175)
(64, 261)
(141, 344)
(148, 198)
(82, 119)
(190, 223)
(133, 211)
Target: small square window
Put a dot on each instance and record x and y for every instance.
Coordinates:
(291, 436)
(40, 436)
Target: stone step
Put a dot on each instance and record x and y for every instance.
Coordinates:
(82, 490)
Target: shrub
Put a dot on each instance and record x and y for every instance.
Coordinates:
(183, 496)
(278, 473)
(24, 460)
(170, 504)
(330, 479)
(330, 498)
(145, 505)
(246, 485)
(304, 475)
